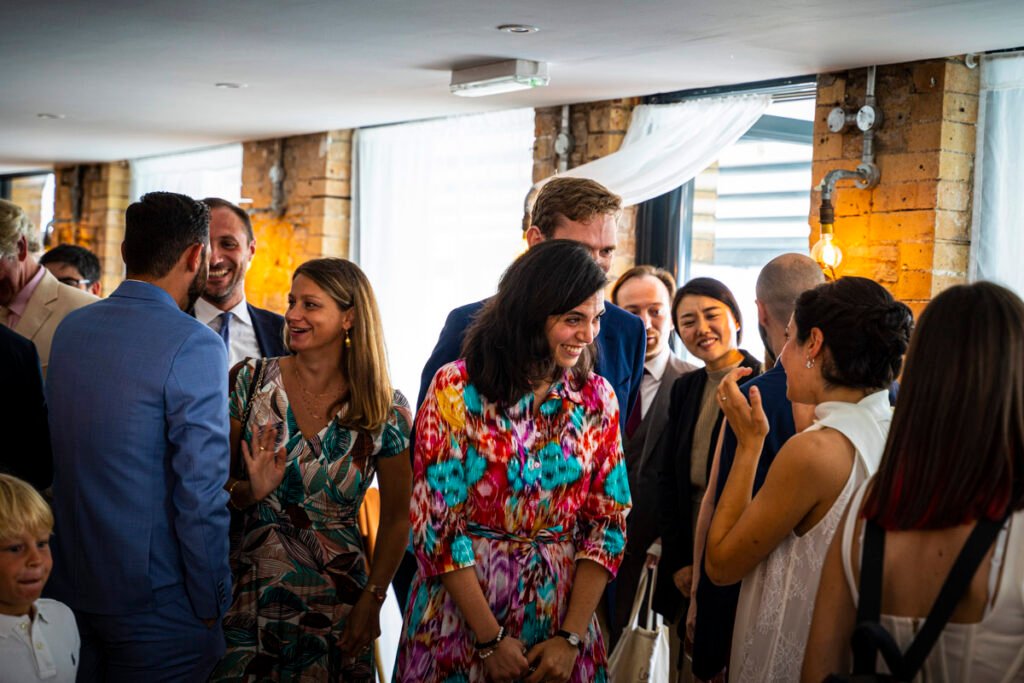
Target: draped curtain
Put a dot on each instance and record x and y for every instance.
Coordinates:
(998, 240)
(213, 172)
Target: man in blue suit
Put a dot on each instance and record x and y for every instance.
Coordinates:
(584, 211)
(138, 417)
(247, 331)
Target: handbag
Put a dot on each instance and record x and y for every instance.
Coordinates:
(871, 639)
(642, 654)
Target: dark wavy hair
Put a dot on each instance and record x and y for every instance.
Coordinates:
(715, 289)
(159, 228)
(506, 347)
(955, 451)
(866, 331)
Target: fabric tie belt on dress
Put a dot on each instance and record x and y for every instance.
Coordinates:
(538, 543)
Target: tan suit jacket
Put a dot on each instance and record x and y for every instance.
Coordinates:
(51, 301)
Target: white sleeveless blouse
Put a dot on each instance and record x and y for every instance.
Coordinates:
(776, 601)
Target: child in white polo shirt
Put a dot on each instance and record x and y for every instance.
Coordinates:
(38, 637)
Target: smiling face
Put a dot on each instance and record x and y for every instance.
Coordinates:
(645, 296)
(230, 253)
(569, 333)
(314, 320)
(25, 565)
(708, 330)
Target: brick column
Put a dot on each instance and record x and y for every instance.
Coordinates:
(598, 129)
(306, 216)
(99, 194)
(911, 233)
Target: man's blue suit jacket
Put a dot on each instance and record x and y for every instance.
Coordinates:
(621, 347)
(139, 422)
(269, 328)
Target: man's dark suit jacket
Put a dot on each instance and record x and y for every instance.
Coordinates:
(621, 347)
(269, 328)
(640, 450)
(675, 492)
(26, 452)
(716, 605)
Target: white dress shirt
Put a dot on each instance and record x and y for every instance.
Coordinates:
(39, 647)
(241, 334)
(654, 370)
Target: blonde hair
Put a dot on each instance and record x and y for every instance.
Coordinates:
(22, 509)
(364, 364)
(14, 224)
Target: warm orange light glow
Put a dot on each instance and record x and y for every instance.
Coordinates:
(827, 252)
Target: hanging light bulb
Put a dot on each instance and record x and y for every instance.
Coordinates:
(826, 251)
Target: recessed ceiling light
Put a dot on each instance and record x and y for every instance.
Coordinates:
(230, 86)
(44, 115)
(518, 28)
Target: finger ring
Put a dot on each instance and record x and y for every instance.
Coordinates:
(723, 397)
(262, 448)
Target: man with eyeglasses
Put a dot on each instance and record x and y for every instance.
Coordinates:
(74, 266)
(32, 301)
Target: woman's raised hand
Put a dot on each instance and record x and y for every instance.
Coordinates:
(747, 419)
(264, 464)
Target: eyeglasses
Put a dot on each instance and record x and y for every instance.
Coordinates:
(74, 282)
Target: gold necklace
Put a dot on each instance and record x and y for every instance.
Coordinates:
(309, 398)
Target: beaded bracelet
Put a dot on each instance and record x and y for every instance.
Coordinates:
(487, 649)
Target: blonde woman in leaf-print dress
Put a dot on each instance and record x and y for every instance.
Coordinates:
(519, 504)
(305, 606)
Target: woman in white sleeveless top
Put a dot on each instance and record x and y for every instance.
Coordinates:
(845, 347)
(955, 455)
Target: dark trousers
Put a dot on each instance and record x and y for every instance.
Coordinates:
(168, 644)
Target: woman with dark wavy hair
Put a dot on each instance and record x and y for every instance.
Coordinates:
(521, 491)
(954, 459)
(845, 346)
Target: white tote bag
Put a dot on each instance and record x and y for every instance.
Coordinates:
(641, 655)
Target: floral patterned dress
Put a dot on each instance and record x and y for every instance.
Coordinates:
(521, 498)
(300, 564)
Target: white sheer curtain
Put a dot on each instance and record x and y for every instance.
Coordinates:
(668, 144)
(436, 215)
(998, 244)
(213, 172)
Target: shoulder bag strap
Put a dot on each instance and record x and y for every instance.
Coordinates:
(869, 604)
(254, 385)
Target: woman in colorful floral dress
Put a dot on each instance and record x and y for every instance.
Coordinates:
(321, 424)
(520, 492)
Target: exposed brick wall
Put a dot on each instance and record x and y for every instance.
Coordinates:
(103, 196)
(911, 233)
(597, 129)
(311, 219)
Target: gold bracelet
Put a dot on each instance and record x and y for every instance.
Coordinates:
(231, 494)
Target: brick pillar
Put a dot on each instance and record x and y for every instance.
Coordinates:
(308, 218)
(99, 194)
(598, 129)
(911, 233)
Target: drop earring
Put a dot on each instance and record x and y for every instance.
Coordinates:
(348, 340)
(810, 363)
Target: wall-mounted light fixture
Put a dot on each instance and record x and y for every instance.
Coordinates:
(499, 77)
(868, 119)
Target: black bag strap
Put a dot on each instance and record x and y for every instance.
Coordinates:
(254, 385)
(870, 637)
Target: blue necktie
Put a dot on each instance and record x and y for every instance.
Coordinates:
(225, 329)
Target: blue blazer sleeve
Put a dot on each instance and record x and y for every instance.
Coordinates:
(199, 455)
(269, 328)
(448, 347)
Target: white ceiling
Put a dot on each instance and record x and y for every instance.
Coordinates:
(137, 78)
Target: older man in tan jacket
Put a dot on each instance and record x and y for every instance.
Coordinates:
(32, 300)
